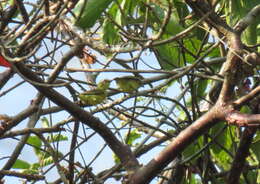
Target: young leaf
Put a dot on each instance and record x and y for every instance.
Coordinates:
(47, 161)
(35, 166)
(36, 143)
(3, 62)
(21, 164)
(57, 138)
(134, 134)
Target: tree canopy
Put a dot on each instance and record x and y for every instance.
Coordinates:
(134, 92)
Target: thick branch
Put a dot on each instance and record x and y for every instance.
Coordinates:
(248, 19)
(186, 137)
(243, 100)
(241, 119)
(242, 151)
(7, 125)
(22, 175)
(241, 154)
(233, 72)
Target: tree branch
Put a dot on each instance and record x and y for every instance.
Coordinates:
(23, 11)
(248, 19)
(147, 173)
(121, 150)
(7, 125)
(241, 154)
(5, 76)
(22, 175)
(240, 119)
(7, 17)
(201, 7)
(251, 95)
(25, 131)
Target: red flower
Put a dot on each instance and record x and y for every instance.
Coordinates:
(3, 62)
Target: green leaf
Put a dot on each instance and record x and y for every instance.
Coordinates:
(245, 109)
(35, 166)
(192, 149)
(110, 33)
(57, 138)
(182, 116)
(155, 16)
(129, 16)
(171, 55)
(46, 154)
(46, 161)
(88, 12)
(214, 53)
(168, 56)
(116, 159)
(220, 155)
(173, 27)
(192, 45)
(255, 146)
(21, 164)
(249, 36)
(109, 30)
(93, 97)
(36, 143)
(201, 86)
(132, 136)
(181, 9)
(252, 176)
(235, 11)
(128, 84)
